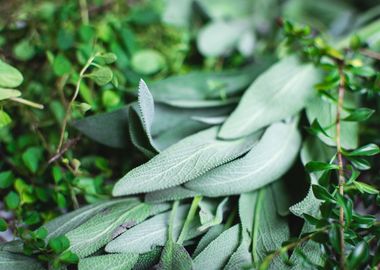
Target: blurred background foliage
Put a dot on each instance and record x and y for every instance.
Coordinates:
(50, 42)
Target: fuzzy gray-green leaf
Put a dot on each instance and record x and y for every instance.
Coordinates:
(124, 261)
(70, 221)
(219, 250)
(99, 230)
(175, 257)
(285, 88)
(152, 232)
(11, 261)
(182, 162)
(266, 162)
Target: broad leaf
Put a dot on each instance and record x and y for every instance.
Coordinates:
(110, 128)
(8, 93)
(241, 258)
(11, 261)
(219, 250)
(99, 230)
(124, 261)
(70, 221)
(144, 236)
(210, 236)
(266, 162)
(148, 260)
(285, 88)
(205, 89)
(182, 162)
(219, 38)
(211, 212)
(175, 257)
(170, 194)
(269, 229)
(10, 77)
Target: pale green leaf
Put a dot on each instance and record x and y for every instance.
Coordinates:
(65, 223)
(205, 89)
(11, 261)
(147, 61)
(220, 37)
(148, 260)
(124, 261)
(270, 229)
(219, 250)
(101, 75)
(266, 162)
(210, 236)
(148, 234)
(8, 93)
(182, 162)
(10, 77)
(225, 9)
(175, 257)
(285, 88)
(241, 258)
(177, 12)
(103, 227)
(211, 212)
(170, 194)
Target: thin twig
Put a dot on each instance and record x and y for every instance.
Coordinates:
(68, 109)
(341, 91)
(84, 11)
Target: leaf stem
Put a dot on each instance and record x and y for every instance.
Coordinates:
(68, 109)
(256, 224)
(189, 218)
(341, 179)
(171, 220)
(27, 102)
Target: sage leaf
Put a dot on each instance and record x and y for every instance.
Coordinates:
(115, 135)
(209, 236)
(10, 76)
(220, 37)
(241, 258)
(189, 158)
(219, 250)
(124, 261)
(99, 230)
(211, 213)
(205, 89)
(175, 257)
(270, 229)
(170, 194)
(11, 261)
(152, 232)
(264, 163)
(148, 260)
(286, 88)
(70, 221)
(8, 93)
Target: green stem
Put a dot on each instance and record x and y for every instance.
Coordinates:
(171, 220)
(68, 109)
(189, 218)
(256, 225)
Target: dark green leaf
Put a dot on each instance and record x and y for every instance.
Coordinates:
(360, 114)
(322, 193)
(314, 166)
